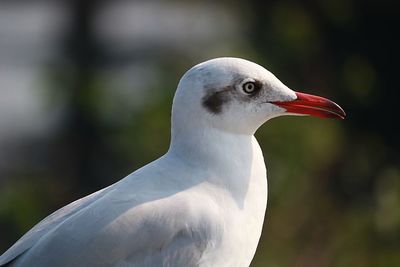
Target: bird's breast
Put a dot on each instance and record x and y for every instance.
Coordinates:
(242, 218)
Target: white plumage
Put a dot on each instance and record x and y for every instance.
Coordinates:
(201, 204)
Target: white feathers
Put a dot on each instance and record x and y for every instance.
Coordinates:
(201, 204)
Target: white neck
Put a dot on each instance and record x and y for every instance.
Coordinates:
(226, 157)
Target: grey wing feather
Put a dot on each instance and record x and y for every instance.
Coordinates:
(46, 225)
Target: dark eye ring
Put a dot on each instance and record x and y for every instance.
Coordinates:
(249, 87)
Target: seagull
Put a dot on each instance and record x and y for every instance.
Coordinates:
(200, 204)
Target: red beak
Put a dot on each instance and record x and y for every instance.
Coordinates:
(316, 106)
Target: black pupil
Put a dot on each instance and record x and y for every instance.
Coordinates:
(249, 87)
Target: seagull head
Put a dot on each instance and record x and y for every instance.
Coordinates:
(238, 96)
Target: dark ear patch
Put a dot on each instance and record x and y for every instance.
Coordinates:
(214, 101)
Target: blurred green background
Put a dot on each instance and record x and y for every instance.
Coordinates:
(85, 97)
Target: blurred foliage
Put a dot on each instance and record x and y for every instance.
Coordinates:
(334, 186)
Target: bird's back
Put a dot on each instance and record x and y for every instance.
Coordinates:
(47, 225)
(146, 219)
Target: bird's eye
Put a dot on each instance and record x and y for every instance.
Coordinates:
(249, 87)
